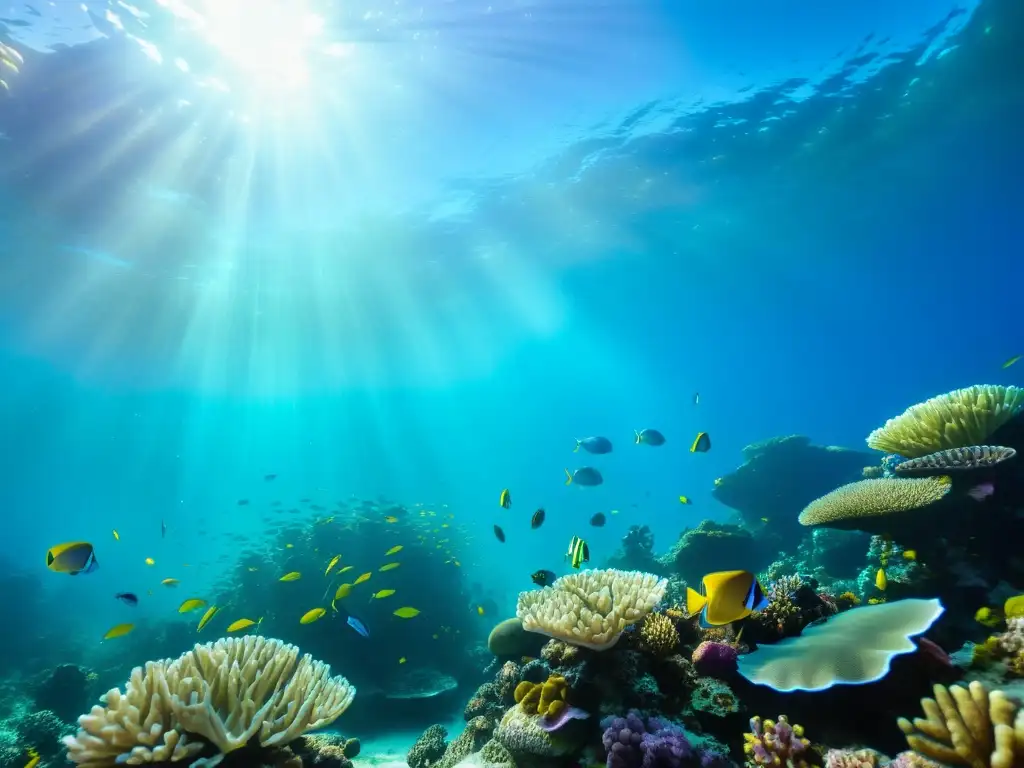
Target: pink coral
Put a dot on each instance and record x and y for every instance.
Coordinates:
(775, 744)
(714, 659)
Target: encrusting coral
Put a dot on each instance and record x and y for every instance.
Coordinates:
(968, 727)
(957, 419)
(857, 505)
(221, 694)
(955, 460)
(776, 744)
(658, 635)
(590, 608)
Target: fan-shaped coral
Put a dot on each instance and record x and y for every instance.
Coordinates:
(591, 608)
(955, 460)
(854, 506)
(968, 727)
(856, 646)
(956, 419)
(226, 692)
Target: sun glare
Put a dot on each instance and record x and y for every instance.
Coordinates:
(268, 41)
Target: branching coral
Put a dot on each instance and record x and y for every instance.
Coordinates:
(590, 608)
(968, 727)
(955, 460)
(956, 419)
(777, 744)
(658, 635)
(228, 692)
(855, 505)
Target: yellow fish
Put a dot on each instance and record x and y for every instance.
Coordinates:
(725, 597)
(346, 568)
(390, 566)
(343, 591)
(402, 660)
(881, 582)
(382, 593)
(480, 610)
(33, 758)
(118, 630)
(170, 582)
(150, 561)
(288, 546)
(117, 536)
(505, 500)
(406, 612)
(988, 617)
(243, 624)
(1011, 361)
(393, 551)
(362, 578)
(330, 565)
(910, 554)
(685, 500)
(310, 616)
(210, 613)
(291, 576)
(390, 519)
(191, 605)
(72, 558)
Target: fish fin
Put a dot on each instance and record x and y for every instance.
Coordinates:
(637, 439)
(695, 601)
(715, 581)
(761, 604)
(703, 619)
(568, 477)
(586, 553)
(577, 448)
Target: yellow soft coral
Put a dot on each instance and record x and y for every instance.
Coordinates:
(547, 698)
(968, 727)
(658, 635)
(956, 419)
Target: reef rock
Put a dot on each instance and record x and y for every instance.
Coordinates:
(715, 547)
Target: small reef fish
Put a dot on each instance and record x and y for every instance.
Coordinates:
(72, 558)
(543, 577)
(243, 502)
(505, 500)
(388, 567)
(598, 520)
(910, 554)
(118, 630)
(390, 519)
(881, 582)
(170, 582)
(725, 597)
(685, 500)
(362, 578)
(407, 613)
(596, 445)
(696, 398)
(129, 598)
(163, 529)
(381, 593)
(150, 561)
(588, 477)
(330, 565)
(989, 617)
(241, 624)
(357, 625)
(191, 604)
(480, 610)
(346, 568)
(401, 660)
(650, 437)
(394, 550)
(1011, 361)
(270, 477)
(343, 591)
(578, 552)
(210, 613)
(33, 757)
(701, 443)
(310, 616)
(499, 534)
(981, 492)
(538, 518)
(117, 536)
(291, 576)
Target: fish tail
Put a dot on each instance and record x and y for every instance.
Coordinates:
(577, 448)
(568, 477)
(637, 440)
(695, 601)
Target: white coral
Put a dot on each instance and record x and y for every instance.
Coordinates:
(225, 692)
(591, 608)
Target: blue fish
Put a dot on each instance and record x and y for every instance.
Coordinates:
(127, 597)
(357, 625)
(649, 437)
(586, 476)
(596, 445)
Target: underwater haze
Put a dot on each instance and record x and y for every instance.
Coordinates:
(289, 280)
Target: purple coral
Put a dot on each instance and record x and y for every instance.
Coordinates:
(713, 659)
(631, 743)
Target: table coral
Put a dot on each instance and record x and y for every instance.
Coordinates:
(776, 744)
(868, 504)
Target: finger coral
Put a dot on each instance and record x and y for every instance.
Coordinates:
(658, 635)
(222, 694)
(775, 743)
(856, 646)
(955, 460)
(956, 419)
(858, 505)
(968, 727)
(591, 608)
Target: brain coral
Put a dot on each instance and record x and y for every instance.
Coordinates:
(956, 419)
(854, 505)
(591, 608)
(227, 692)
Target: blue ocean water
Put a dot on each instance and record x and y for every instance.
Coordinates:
(412, 252)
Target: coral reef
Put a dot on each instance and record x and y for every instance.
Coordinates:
(522, 734)
(712, 547)
(220, 695)
(715, 659)
(869, 505)
(776, 744)
(955, 460)
(658, 635)
(632, 742)
(957, 419)
(64, 691)
(429, 748)
(509, 639)
(590, 608)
